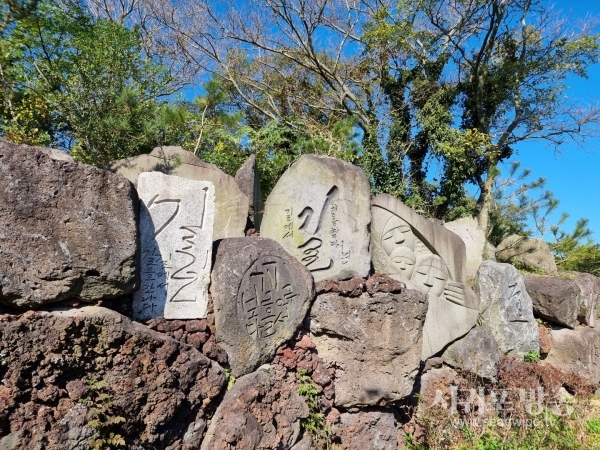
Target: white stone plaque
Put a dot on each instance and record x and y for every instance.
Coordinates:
(176, 234)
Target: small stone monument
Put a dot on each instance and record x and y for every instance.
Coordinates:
(427, 257)
(261, 295)
(319, 212)
(176, 227)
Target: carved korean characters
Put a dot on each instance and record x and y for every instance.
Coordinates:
(261, 295)
(427, 257)
(176, 232)
(319, 213)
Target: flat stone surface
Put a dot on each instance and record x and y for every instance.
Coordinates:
(545, 339)
(248, 180)
(445, 323)
(67, 230)
(231, 211)
(528, 252)
(475, 242)
(319, 212)
(589, 286)
(555, 299)
(477, 353)
(373, 341)
(506, 308)
(576, 351)
(373, 429)
(261, 295)
(165, 391)
(176, 232)
(259, 412)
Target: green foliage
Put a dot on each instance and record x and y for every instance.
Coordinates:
(573, 254)
(592, 425)
(101, 416)
(229, 377)
(79, 83)
(315, 422)
(532, 356)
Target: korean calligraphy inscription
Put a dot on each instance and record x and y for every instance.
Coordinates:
(261, 295)
(176, 223)
(266, 297)
(319, 212)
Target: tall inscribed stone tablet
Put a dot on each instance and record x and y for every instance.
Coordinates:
(176, 233)
(319, 212)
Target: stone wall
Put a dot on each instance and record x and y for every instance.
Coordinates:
(135, 314)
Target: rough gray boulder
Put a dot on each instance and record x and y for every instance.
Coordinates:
(477, 353)
(555, 299)
(373, 341)
(261, 295)
(59, 368)
(259, 412)
(475, 242)
(590, 295)
(247, 178)
(506, 308)
(67, 230)
(231, 203)
(528, 252)
(576, 351)
(372, 429)
(319, 212)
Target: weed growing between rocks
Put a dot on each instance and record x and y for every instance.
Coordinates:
(102, 416)
(531, 406)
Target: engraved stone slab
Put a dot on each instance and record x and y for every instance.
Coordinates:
(261, 295)
(319, 212)
(427, 257)
(506, 308)
(231, 211)
(176, 232)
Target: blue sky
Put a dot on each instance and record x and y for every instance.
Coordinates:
(574, 174)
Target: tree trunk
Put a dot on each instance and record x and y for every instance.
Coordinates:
(485, 201)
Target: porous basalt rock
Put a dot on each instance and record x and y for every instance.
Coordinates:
(374, 342)
(196, 333)
(576, 351)
(526, 252)
(477, 353)
(58, 366)
(247, 178)
(261, 411)
(67, 230)
(372, 429)
(555, 299)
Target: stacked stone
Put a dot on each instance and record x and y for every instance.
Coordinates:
(299, 304)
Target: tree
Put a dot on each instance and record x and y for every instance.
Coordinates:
(461, 82)
(80, 84)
